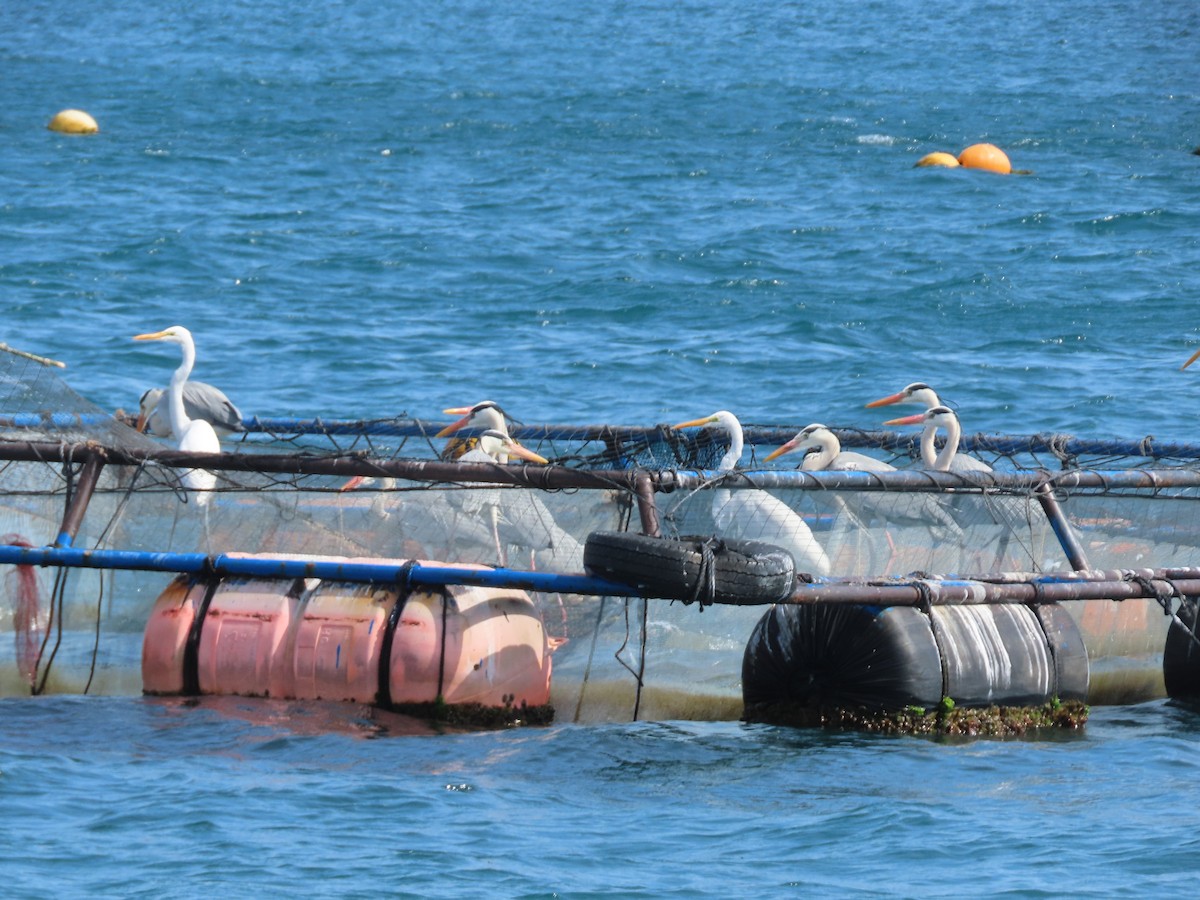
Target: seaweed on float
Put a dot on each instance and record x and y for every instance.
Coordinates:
(945, 719)
(478, 715)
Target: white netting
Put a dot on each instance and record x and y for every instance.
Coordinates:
(85, 632)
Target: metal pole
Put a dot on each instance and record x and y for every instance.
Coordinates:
(647, 505)
(84, 488)
(1062, 528)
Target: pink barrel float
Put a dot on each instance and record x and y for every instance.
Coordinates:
(307, 639)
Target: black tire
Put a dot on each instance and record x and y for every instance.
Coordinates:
(744, 572)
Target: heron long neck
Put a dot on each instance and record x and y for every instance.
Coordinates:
(946, 457)
(493, 446)
(734, 454)
(928, 451)
(179, 418)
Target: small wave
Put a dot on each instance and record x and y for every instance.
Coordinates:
(883, 140)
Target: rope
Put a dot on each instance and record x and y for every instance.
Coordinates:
(1058, 447)
(587, 672)
(705, 589)
(925, 603)
(1039, 594)
(96, 637)
(640, 672)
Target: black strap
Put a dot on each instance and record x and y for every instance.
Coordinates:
(403, 590)
(191, 650)
(925, 604)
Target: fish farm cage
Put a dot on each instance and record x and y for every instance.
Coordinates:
(662, 583)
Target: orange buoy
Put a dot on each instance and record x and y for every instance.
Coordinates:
(985, 156)
(73, 121)
(362, 643)
(938, 159)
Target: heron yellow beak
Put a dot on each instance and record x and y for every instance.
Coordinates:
(1191, 359)
(707, 420)
(156, 336)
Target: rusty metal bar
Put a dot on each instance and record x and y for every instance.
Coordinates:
(925, 480)
(1062, 528)
(665, 480)
(935, 592)
(84, 488)
(546, 477)
(647, 505)
(1008, 587)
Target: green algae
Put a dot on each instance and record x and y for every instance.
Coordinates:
(946, 719)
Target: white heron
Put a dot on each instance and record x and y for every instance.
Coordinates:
(754, 514)
(518, 516)
(824, 454)
(933, 419)
(200, 401)
(486, 414)
(1012, 513)
(828, 455)
(920, 394)
(192, 435)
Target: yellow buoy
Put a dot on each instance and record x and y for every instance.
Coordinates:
(937, 159)
(73, 121)
(985, 156)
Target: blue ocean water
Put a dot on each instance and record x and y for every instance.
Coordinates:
(628, 212)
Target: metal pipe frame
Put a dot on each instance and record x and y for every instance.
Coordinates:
(1022, 588)
(562, 477)
(643, 484)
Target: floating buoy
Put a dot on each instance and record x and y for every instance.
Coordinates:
(822, 657)
(985, 156)
(938, 159)
(73, 121)
(374, 644)
(1181, 656)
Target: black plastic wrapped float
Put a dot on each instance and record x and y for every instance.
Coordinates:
(803, 659)
(1181, 655)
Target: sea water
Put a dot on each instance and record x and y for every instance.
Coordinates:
(622, 212)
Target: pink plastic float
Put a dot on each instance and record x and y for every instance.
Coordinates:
(308, 639)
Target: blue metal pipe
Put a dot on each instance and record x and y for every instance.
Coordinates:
(269, 567)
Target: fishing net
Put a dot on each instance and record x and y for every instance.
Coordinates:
(286, 490)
